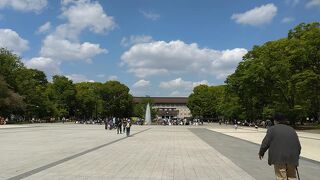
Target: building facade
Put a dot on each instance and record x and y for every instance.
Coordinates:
(169, 107)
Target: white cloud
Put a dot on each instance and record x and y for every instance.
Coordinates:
(180, 87)
(84, 14)
(203, 82)
(144, 72)
(179, 94)
(179, 83)
(44, 28)
(227, 62)
(48, 65)
(176, 83)
(256, 16)
(150, 15)
(141, 84)
(63, 43)
(165, 58)
(135, 39)
(24, 5)
(11, 40)
(62, 49)
(287, 20)
(313, 3)
(76, 78)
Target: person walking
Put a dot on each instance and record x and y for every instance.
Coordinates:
(124, 124)
(128, 126)
(106, 124)
(284, 149)
(119, 126)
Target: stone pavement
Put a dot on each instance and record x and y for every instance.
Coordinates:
(245, 155)
(77, 151)
(310, 142)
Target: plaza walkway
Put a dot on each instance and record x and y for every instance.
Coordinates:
(76, 151)
(310, 142)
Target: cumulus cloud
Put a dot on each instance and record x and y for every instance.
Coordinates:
(76, 78)
(141, 84)
(135, 39)
(180, 87)
(287, 20)
(313, 3)
(11, 40)
(48, 65)
(150, 15)
(179, 83)
(165, 58)
(24, 5)
(62, 49)
(256, 16)
(179, 94)
(44, 28)
(63, 43)
(81, 15)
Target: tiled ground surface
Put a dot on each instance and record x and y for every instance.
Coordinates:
(89, 152)
(77, 151)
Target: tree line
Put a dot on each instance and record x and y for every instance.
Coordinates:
(278, 76)
(27, 93)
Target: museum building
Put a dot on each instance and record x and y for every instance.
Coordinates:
(169, 107)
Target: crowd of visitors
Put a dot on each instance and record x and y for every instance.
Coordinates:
(3, 120)
(123, 125)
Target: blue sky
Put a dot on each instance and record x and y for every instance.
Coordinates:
(157, 48)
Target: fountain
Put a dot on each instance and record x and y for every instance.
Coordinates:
(147, 119)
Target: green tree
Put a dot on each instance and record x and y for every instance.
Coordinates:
(280, 75)
(206, 101)
(31, 84)
(10, 102)
(118, 101)
(62, 93)
(87, 97)
(9, 65)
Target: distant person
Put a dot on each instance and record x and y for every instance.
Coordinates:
(268, 123)
(106, 123)
(284, 149)
(119, 126)
(128, 126)
(63, 120)
(124, 124)
(110, 124)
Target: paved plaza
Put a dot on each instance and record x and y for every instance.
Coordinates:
(77, 151)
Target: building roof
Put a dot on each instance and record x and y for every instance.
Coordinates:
(164, 100)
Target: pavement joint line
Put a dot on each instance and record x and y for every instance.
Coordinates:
(50, 165)
(304, 158)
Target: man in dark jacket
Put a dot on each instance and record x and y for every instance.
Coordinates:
(284, 149)
(119, 126)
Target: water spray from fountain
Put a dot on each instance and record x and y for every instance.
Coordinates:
(148, 115)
